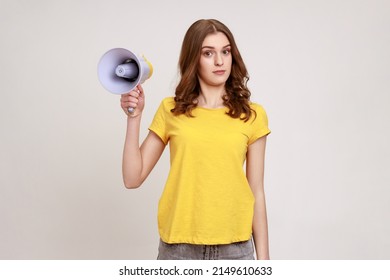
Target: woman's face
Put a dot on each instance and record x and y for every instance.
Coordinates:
(215, 60)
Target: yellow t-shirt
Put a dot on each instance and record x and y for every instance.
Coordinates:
(207, 198)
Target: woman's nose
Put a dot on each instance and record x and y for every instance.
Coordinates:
(218, 60)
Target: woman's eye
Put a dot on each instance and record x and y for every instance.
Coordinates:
(207, 53)
(226, 52)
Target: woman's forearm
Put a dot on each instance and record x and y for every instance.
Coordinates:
(132, 159)
(260, 228)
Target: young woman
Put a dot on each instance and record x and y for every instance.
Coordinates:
(210, 207)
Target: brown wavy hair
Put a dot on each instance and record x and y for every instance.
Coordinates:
(187, 91)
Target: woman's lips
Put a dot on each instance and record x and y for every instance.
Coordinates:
(219, 72)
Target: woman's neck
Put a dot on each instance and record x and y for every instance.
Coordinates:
(211, 97)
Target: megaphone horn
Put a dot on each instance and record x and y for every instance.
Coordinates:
(120, 71)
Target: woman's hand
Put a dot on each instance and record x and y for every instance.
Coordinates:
(134, 99)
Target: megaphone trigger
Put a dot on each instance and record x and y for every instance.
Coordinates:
(130, 110)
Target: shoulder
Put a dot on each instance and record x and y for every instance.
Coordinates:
(168, 103)
(259, 109)
(258, 123)
(256, 106)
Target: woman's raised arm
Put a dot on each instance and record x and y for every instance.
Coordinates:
(138, 161)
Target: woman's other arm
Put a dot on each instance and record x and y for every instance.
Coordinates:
(255, 175)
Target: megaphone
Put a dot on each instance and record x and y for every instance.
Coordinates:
(120, 71)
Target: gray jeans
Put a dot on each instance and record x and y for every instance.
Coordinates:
(182, 251)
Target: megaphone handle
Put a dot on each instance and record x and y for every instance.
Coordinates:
(130, 110)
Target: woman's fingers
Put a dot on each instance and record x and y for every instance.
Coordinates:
(131, 99)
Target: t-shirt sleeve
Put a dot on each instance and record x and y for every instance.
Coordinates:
(259, 125)
(159, 125)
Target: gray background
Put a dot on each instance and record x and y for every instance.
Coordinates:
(320, 68)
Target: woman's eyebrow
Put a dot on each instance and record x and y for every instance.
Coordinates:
(210, 47)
